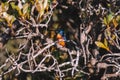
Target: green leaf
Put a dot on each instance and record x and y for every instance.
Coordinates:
(4, 6)
(9, 18)
(115, 23)
(16, 8)
(25, 10)
(45, 4)
(118, 19)
(109, 18)
(101, 45)
(105, 21)
(105, 42)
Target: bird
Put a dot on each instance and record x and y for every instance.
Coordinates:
(61, 37)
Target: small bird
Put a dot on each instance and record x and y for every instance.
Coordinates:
(61, 38)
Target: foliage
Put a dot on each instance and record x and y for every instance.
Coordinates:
(60, 39)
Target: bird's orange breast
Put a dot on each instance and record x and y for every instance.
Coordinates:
(61, 42)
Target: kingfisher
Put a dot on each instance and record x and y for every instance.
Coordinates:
(61, 37)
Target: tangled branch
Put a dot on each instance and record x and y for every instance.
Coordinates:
(91, 47)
